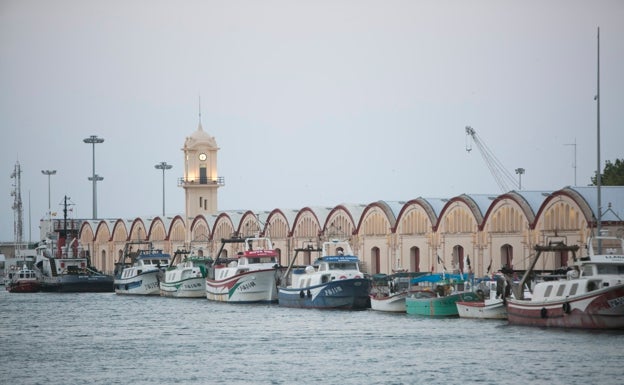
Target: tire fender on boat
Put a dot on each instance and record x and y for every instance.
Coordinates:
(544, 313)
(566, 307)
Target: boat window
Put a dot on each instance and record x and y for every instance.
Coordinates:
(343, 266)
(588, 270)
(573, 289)
(610, 269)
(548, 291)
(560, 290)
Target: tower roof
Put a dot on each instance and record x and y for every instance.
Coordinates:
(200, 138)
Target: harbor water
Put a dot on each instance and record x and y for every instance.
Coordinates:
(104, 338)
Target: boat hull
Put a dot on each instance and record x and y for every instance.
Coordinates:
(349, 294)
(438, 306)
(491, 309)
(23, 286)
(186, 288)
(146, 283)
(78, 284)
(394, 303)
(250, 287)
(600, 309)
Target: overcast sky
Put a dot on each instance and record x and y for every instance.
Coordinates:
(311, 102)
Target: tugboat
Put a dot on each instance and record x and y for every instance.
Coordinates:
(63, 264)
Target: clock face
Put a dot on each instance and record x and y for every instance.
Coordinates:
(202, 156)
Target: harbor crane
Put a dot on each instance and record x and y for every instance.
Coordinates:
(503, 178)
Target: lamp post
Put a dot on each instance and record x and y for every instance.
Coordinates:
(49, 173)
(163, 166)
(520, 171)
(93, 139)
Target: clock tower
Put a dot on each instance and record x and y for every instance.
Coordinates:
(200, 181)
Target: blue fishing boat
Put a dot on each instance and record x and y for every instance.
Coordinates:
(334, 281)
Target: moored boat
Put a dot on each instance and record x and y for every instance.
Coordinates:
(389, 291)
(186, 275)
(334, 281)
(65, 267)
(589, 296)
(140, 271)
(439, 295)
(24, 280)
(491, 303)
(251, 276)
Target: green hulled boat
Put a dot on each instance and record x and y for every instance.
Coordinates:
(439, 294)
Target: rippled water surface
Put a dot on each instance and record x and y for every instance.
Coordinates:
(50, 338)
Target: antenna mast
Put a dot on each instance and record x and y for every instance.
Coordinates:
(18, 209)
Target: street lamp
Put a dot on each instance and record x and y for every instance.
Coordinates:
(519, 171)
(93, 139)
(163, 166)
(48, 173)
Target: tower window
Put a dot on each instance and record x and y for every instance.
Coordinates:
(203, 175)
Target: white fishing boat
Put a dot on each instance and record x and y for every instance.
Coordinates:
(388, 291)
(492, 303)
(251, 276)
(589, 296)
(186, 277)
(140, 272)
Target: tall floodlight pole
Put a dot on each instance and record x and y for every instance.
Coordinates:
(163, 166)
(49, 173)
(520, 171)
(93, 139)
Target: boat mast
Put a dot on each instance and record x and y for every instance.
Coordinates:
(598, 178)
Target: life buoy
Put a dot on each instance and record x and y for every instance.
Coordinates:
(544, 313)
(566, 307)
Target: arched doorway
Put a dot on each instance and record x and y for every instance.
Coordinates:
(506, 252)
(458, 259)
(414, 262)
(375, 260)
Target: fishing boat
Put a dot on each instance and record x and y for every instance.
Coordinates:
(388, 291)
(24, 280)
(186, 275)
(439, 294)
(334, 281)
(139, 271)
(491, 304)
(589, 296)
(251, 276)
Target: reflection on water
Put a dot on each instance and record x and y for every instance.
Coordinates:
(102, 338)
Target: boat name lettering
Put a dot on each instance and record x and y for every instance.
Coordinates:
(333, 290)
(247, 285)
(616, 302)
(150, 286)
(192, 285)
(615, 257)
